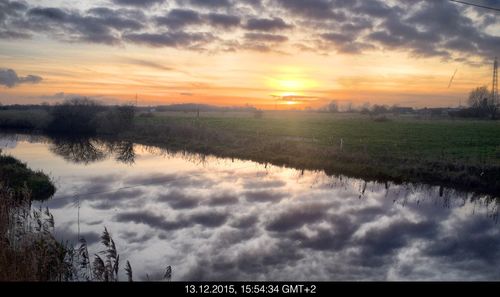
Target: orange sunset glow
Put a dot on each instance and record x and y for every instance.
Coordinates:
(263, 53)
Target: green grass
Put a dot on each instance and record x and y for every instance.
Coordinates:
(463, 154)
(18, 177)
(460, 153)
(454, 140)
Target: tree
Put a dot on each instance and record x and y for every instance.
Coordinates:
(482, 103)
(76, 115)
(379, 109)
(333, 106)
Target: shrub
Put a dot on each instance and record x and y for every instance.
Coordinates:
(77, 115)
(116, 119)
(16, 175)
(258, 113)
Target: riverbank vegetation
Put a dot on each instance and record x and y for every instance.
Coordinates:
(458, 153)
(462, 154)
(16, 176)
(28, 249)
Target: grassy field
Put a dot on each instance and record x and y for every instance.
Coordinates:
(463, 154)
(398, 137)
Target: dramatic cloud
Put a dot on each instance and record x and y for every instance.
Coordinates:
(179, 18)
(227, 224)
(10, 79)
(223, 20)
(264, 196)
(267, 24)
(138, 3)
(420, 28)
(75, 27)
(210, 3)
(265, 37)
(314, 9)
(170, 39)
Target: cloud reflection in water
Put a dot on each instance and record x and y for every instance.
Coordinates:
(224, 220)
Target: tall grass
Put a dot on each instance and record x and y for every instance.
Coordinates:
(106, 263)
(30, 252)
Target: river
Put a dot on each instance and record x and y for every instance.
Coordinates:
(226, 219)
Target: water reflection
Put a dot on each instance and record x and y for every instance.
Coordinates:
(220, 219)
(89, 150)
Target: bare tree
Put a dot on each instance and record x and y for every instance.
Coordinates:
(482, 103)
(333, 106)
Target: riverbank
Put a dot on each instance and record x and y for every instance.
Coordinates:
(28, 250)
(17, 177)
(461, 154)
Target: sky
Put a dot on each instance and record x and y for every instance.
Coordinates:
(266, 53)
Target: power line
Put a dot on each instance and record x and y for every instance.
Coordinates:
(476, 5)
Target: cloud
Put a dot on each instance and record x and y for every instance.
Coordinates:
(223, 20)
(267, 24)
(297, 98)
(209, 219)
(264, 37)
(296, 217)
(264, 196)
(66, 234)
(245, 222)
(420, 28)
(76, 27)
(119, 19)
(149, 64)
(138, 3)
(209, 3)
(313, 9)
(169, 180)
(10, 79)
(151, 219)
(170, 39)
(178, 200)
(7, 34)
(180, 18)
(259, 184)
(222, 200)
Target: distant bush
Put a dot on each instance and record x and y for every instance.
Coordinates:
(116, 119)
(258, 113)
(77, 115)
(86, 116)
(380, 119)
(379, 109)
(23, 119)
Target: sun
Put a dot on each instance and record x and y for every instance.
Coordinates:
(290, 80)
(291, 84)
